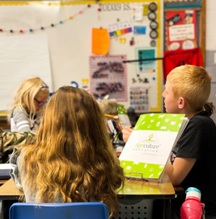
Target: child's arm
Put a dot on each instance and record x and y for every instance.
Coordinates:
(126, 132)
(14, 172)
(179, 170)
(21, 120)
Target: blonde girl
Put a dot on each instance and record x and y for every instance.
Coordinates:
(28, 103)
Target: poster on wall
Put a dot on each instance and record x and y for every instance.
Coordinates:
(180, 30)
(147, 62)
(108, 77)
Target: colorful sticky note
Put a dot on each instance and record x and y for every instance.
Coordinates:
(100, 41)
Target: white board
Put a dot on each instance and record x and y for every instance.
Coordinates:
(22, 56)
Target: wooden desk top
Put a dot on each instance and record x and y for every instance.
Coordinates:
(4, 123)
(9, 191)
(2, 181)
(132, 187)
(147, 189)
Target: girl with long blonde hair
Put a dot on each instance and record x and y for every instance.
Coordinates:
(28, 105)
(73, 159)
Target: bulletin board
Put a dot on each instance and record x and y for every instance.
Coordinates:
(185, 25)
(110, 48)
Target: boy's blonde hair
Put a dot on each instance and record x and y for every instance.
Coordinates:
(26, 92)
(191, 82)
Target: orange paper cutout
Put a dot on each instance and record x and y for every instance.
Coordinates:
(100, 41)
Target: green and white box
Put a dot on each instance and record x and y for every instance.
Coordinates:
(148, 148)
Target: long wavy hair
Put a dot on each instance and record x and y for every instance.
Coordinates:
(25, 94)
(73, 157)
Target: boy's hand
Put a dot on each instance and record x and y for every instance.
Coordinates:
(126, 132)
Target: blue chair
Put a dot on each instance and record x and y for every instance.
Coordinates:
(75, 210)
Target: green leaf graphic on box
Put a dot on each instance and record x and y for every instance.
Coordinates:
(141, 170)
(160, 122)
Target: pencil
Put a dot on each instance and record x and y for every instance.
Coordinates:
(111, 116)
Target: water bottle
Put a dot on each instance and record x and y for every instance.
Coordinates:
(192, 208)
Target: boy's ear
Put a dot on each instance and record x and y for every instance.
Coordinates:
(181, 102)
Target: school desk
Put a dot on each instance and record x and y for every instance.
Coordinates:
(134, 191)
(4, 124)
(2, 181)
(137, 198)
(9, 191)
(132, 187)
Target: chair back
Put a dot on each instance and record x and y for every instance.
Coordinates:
(75, 210)
(134, 208)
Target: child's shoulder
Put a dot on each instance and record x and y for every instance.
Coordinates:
(19, 110)
(203, 119)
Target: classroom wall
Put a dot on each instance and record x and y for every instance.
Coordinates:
(68, 29)
(211, 47)
(211, 38)
(59, 66)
